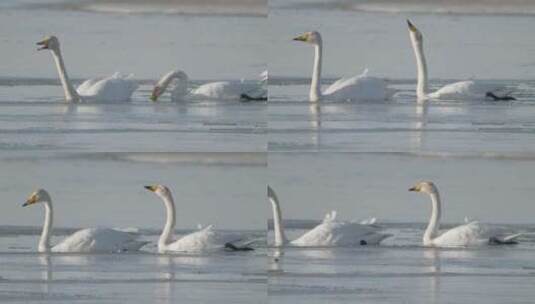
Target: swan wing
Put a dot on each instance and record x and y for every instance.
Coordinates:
(205, 239)
(108, 89)
(360, 87)
(224, 89)
(470, 234)
(103, 240)
(86, 85)
(475, 234)
(337, 233)
(462, 90)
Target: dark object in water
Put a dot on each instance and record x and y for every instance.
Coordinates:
(245, 97)
(232, 247)
(496, 241)
(496, 97)
(363, 243)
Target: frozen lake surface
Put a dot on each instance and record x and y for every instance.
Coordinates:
(403, 274)
(144, 277)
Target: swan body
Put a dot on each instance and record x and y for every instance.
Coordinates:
(205, 239)
(469, 234)
(98, 240)
(90, 240)
(115, 88)
(329, 233)
(360, 87)
(223, 90)
(462, 90)
(176, 82)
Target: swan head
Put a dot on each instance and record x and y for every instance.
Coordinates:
(179, 89)
(424, 187)
(309, 37)
(416, 35)
(49, 43)
(160, 190)
(38, 196)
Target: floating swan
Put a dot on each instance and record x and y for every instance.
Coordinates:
(83, 241)
(176, 82)
(206, 239)
(360, 87)
(107, 89)
(330, 232)
(462, 90)
(469, 234)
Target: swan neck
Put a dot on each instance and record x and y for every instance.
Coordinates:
(315, 86)
(167, 233)
(434, 222)
(278, 227)
(44, 241)
(421, 64)
(70, 93)
(181, 86)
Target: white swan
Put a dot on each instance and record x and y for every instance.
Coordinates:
(330, 232)
(206, 239)
(106, 89)
(462, 90)
(176, 82)
(83, 241)
(469, 234)
(360, 87)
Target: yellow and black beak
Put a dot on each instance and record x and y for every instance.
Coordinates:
(30, 201)
(300, 38)
(43, 45)
(412, 28)
(156, 92)
(151, 188)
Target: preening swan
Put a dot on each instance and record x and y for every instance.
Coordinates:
(86, 240)
(462, 90)
(360, 87)
(469, 234)
(107, 89)
(206, 239)
(330, 232)
(176, 82)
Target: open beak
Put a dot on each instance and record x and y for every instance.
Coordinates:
(300, 38)
(43, 45)
(412, 28)
(150, 188)
(156, 92)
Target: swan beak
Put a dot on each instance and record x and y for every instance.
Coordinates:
(412, 28)
(30, 201)
(300, 38)
(156, 92)
(151, 188)
(43, 45)
(413, 189)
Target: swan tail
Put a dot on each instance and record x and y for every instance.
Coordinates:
(232, 247)
(375, 239)
(507, 240)
(246, 97)
(494, 95)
